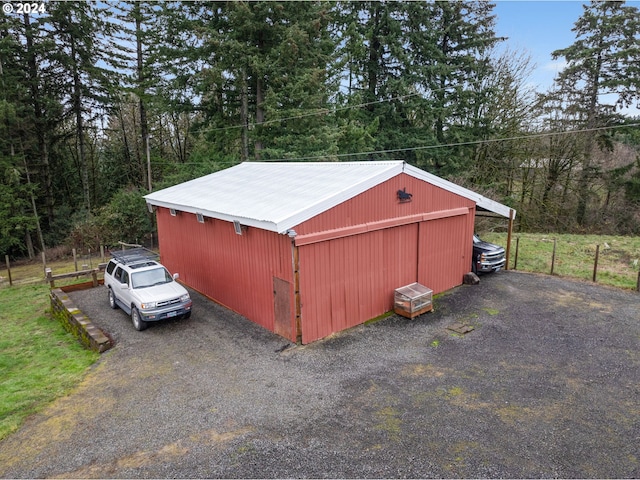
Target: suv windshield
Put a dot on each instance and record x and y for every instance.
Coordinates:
(149, 278)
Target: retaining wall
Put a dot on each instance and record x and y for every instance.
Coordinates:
(76, 322)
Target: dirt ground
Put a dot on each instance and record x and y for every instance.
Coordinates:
(547, 384)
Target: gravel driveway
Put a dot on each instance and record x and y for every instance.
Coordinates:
(546, 385)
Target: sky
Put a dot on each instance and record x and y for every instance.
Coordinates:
(539, 28)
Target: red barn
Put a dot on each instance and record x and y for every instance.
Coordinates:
(309, 249)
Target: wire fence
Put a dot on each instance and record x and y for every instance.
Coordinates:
(609, 261)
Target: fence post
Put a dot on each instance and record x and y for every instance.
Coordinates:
(553, 256)
(595, 263)
(638, 283)
(49, 277)
(515, 261)
(6, 259)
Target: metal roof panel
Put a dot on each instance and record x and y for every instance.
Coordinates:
(277, 196)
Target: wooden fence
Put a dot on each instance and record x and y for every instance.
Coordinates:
(20, 273)
(588, 268)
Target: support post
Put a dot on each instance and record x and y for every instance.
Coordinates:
(595, 263)
(6, 259)
(509, 231)
(553, 256)
(515, 262)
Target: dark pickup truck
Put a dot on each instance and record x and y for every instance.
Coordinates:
(487, 257)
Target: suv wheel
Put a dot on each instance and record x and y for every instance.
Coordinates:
(112, 299)
(138, 323)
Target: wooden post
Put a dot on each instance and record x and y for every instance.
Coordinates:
(94, 276)
(506, 265)
(553, 256)
(49, 277)
(637, 282)
(6, 259)
(595, 263)
(515, 262)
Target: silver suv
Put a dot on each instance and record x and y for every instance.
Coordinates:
(143, 288)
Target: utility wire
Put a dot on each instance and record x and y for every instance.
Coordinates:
(322, 111)
(458, 144)
(431, 147)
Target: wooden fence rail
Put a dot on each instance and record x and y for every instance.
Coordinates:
(51, 278)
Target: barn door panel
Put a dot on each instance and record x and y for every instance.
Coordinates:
(282, 306)
(443, 253)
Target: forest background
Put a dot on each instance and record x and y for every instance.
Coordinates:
(102, 102)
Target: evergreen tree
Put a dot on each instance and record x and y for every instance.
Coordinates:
(81, 35)
(449, 44)
(604, 59)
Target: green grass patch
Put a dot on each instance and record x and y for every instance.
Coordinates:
(379, 317)
(618, 262)
(39, 360)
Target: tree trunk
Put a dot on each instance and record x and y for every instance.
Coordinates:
(244, 117)
(77, 106)
(259, 114)
(43, 149)
(144, 128)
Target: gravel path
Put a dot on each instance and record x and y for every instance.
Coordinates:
(546, 385)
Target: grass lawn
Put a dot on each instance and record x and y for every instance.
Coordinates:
(39, 360)
(618, 262)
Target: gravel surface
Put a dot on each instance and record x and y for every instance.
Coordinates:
(546, 385)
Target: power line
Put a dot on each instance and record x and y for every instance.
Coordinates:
(431, 147)
(458, 144)
(322, 111)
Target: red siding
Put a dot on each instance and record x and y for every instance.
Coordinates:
(347, 281)
(381, 203)
(445, 248)
(234, 270)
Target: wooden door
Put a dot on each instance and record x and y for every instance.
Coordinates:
(282, 307)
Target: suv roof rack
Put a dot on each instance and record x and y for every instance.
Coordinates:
(134, 255)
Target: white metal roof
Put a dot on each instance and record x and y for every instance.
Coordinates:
(277, 196)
